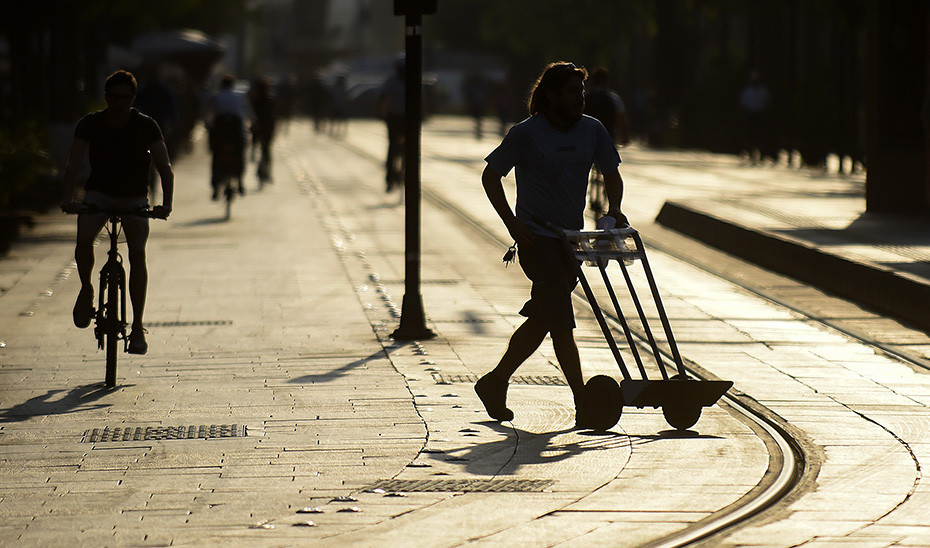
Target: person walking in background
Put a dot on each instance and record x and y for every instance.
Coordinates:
(552, 152)
(392, 105)
(339, 108)
(121, 144)
(754, 101)
(605, 104)
(264, 105)
(475, 90)
(160, 101)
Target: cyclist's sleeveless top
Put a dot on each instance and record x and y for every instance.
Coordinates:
(119, 157)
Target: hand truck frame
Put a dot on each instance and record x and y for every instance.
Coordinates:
(680, 396)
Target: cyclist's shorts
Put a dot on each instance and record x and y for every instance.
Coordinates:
(105, 201)
(554, 276)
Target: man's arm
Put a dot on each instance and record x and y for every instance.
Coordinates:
(494, 188)
(163, 165)
(613, 185)
(76, 158)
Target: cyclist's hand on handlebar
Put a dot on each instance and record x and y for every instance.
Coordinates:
(161, 212)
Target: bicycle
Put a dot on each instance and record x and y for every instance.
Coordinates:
(110, 315)
(597, 194)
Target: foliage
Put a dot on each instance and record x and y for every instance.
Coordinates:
(125, 20)
(23, 162)
(121, 20)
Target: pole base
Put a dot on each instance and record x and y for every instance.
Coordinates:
(412, 321)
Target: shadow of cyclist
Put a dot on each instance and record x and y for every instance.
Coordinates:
(76, 400)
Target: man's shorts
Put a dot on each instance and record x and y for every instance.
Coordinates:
(132, 224)
(554, 275)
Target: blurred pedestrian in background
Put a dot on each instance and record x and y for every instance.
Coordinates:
(475, 90)
(339, 105)
(392, 106)
(754, 102)
(160, 101)
(264, 105)
(605, 104)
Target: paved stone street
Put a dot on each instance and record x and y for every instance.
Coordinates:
(275, 326)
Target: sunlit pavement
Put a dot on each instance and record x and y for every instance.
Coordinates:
(278, 322)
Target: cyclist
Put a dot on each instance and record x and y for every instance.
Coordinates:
(121, 143)
(228, 112)
(551, 152)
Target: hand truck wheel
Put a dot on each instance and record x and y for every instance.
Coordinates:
(604, 400)
(681, 417)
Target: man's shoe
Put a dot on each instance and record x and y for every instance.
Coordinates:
(583, 419)
(83, 311)
(493, 394)
(137, 344)
(216, 194)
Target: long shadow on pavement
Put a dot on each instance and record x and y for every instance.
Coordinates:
(76, 400)
(521, 448)
(340, 372)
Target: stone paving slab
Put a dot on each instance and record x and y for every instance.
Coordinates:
(283, 317)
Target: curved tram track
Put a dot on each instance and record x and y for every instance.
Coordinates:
(792, 465)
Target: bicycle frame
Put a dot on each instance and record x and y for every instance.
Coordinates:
(110, 324)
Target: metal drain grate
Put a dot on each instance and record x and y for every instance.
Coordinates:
(534, 380)
(189, 323)
(464, 485)
(142, 433)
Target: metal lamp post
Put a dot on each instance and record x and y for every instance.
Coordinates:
(412, 318)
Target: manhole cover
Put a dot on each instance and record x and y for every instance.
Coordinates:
(535, 380)
(142, 433)
(464, 485)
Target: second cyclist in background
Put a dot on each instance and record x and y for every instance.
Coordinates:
(227, 116)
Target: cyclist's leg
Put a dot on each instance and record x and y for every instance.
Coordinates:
(137, 233)
(89, 226)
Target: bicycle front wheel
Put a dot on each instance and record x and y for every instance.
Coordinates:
(112, 322)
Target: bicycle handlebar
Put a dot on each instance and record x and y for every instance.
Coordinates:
(140, 211)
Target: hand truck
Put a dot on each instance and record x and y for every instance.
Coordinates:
(680, 396)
